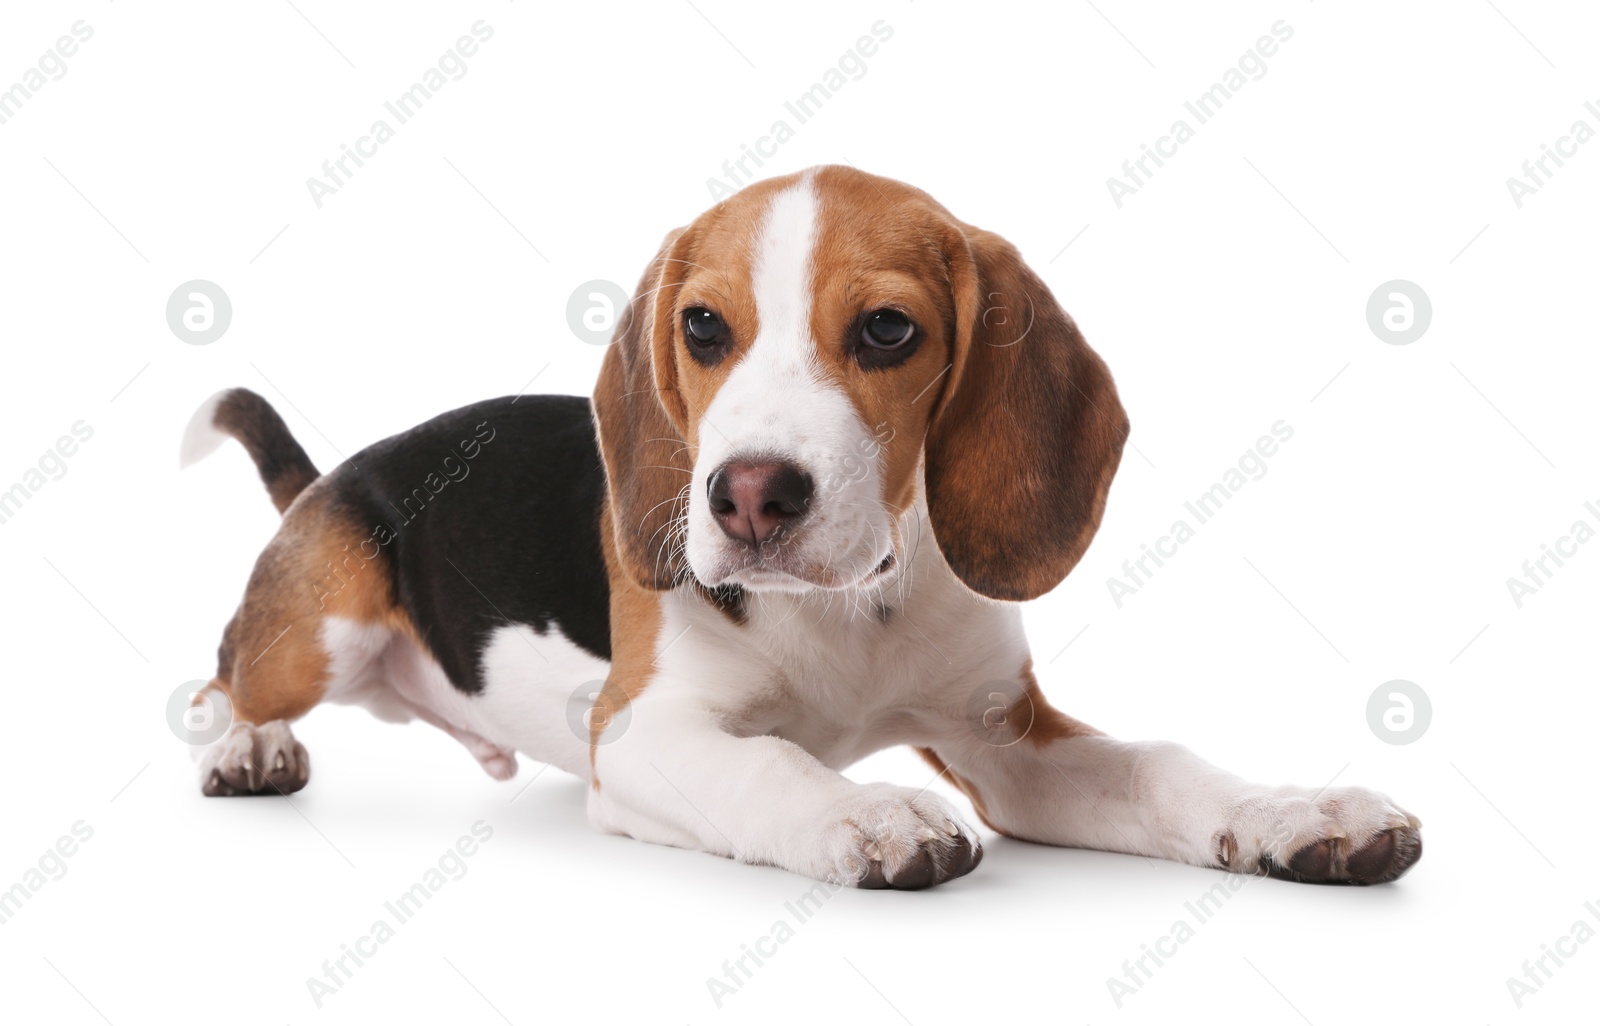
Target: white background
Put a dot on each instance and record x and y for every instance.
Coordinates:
(1228, 293)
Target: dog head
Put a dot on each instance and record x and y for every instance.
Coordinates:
(808, 357)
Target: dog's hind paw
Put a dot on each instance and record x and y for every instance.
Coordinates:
(252, 759)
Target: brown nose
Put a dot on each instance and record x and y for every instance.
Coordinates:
(753, 500)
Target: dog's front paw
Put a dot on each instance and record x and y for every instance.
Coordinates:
(1346, 835)
(255, 760)
(893, 837)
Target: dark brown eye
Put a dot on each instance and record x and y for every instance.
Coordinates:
(886, 329)
(706, 333)
(887, 337)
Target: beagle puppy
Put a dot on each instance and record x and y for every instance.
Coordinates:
(838, 436)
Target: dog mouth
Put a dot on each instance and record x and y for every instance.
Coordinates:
(774, 573)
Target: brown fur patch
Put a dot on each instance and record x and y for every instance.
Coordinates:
(961, 784)
(273, 663)
(1029, 434)
(881, 244)
(635, 629)
(1048, 724)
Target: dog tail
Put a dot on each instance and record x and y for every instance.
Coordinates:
(239, 413)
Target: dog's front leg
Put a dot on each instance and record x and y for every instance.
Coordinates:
(1036, 774)
(670, 774)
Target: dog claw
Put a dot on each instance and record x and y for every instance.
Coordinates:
(255, 759)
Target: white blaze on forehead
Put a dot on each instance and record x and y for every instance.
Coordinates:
(776, 400)
(782, 266)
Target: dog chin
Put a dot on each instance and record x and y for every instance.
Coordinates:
(767, 576)
(759, 580)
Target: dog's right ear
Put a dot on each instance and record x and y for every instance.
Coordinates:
(640, 417)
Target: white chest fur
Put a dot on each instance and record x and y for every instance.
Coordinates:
(844, 674)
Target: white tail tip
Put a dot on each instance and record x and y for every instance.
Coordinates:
(201, 438)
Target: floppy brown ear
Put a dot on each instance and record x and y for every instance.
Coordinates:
(647, 461)
(1021, 451)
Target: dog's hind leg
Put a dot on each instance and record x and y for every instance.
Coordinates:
(266, 689)
(316, 614)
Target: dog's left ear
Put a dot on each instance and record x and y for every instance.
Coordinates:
(1028, 433)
